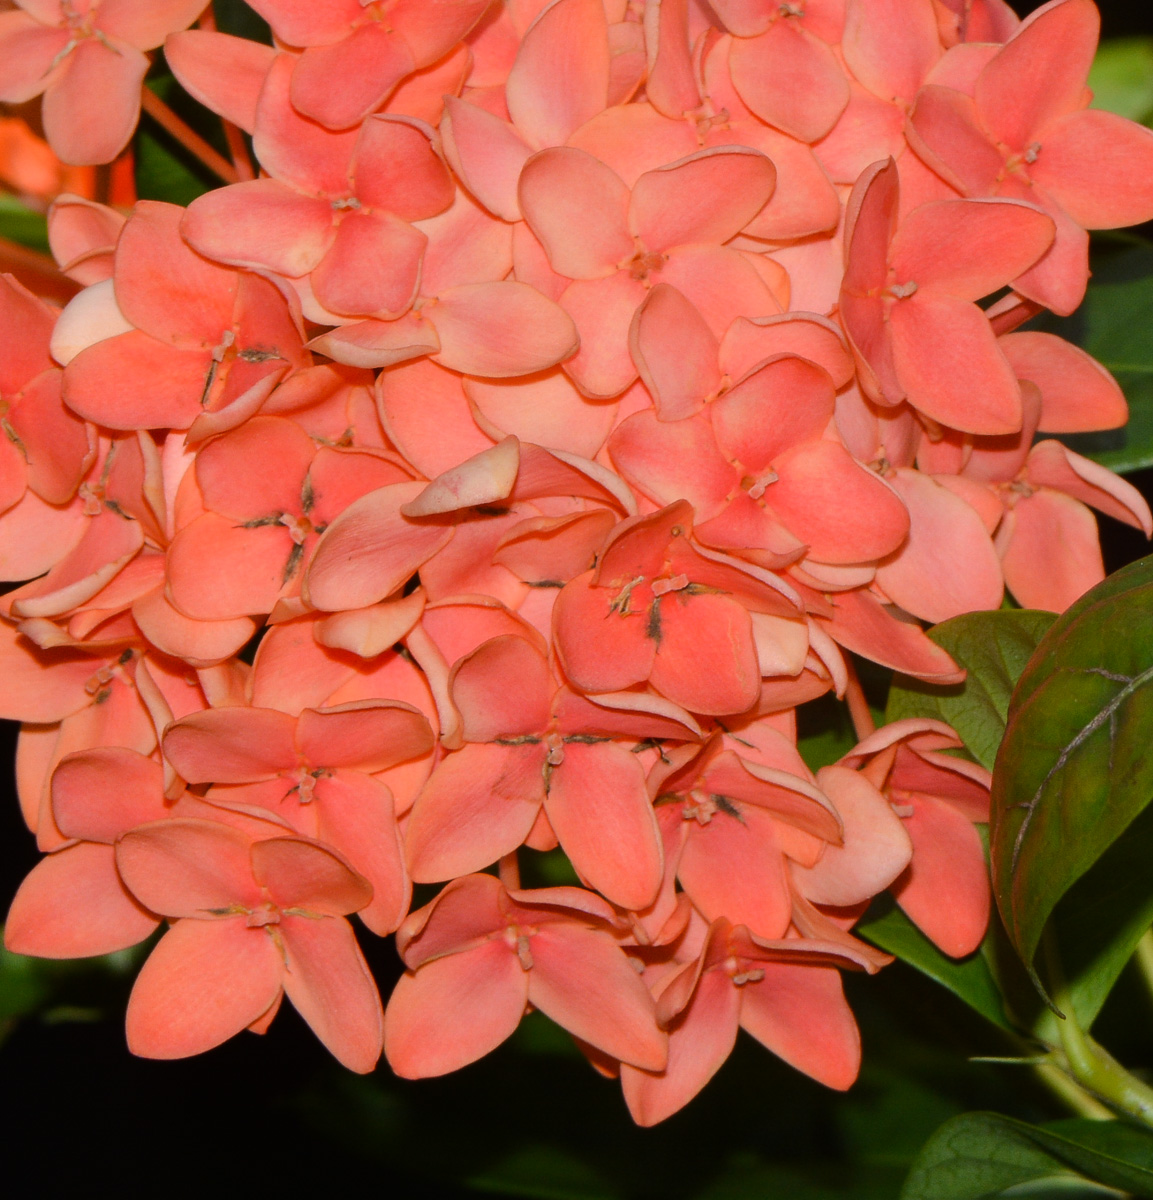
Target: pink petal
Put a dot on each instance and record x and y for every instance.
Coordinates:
(801, 1015)
(700, 1041)
(969, 248)
(219, 571)
(73, 905)
(948, 362)
(705, 659)
(100, 794)
(708, 197)
(356, 815)
(1084, 148)
(370, 736)
(54, 441)
(145, 23)
(790, 79)
(29, 53)
(602, 311)
(733, 867)
(224, 73)
(671, 86)
(487, 154)
(166, 289)
(502, 690)
(370, 550)
(297, 151)
(583, 981)
(842, 510)
(1050, 551)
(1077, 392)
(483, 479)
(186, 868)
(675, 353)
(424, 410)
(875, 847)
(299, 874)
(578, 208)
(454, 1010)
(82, 132)
(675, 460)
(560, 77)
(599, 808)
(500, 329)
(339, 85)
(616, 656)
(749, 342)
(397, 168)
(261, 223)
(945, 131)
(1040, 73)
(478, 805)
(890, 46)
(946, 889)
(923, 577)
(204, 983)
(28, 323)
(231, 745)
(1052, 465)
(372, 267)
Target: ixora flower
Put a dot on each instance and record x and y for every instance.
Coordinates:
(558, 396)
(88, 59)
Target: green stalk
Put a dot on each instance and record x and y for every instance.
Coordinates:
(1090, 1065)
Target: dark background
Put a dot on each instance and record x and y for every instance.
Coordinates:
(532, 1119)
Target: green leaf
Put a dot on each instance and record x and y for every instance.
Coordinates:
(1122, 77)
(994, 648)
(22, 224)
(1099, 921)
(164, 169)
(1074, 769)
(1112, 325)
(980, 1155)
(972, 978)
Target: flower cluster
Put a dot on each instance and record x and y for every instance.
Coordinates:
(500, 469)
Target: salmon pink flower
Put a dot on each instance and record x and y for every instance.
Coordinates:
(355, 54)
(316, 772)
(479, 954)
(785, 992)
(171, 336)
(268, 493)
(252, 920)
(760, 474)
(524, 749)
(338, 206)
(658, 610)
(907, 301)
(87, 58)
(614, 243)
(945, 889)
(1025, 131)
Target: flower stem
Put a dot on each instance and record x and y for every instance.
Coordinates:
(186, 135)
(858, 706)
(1093, 1067)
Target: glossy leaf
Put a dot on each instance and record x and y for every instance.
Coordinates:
(972, 979)
(1112, 325)
(19, 223)
(994, 648)
(980, 1155)
(1074, 769)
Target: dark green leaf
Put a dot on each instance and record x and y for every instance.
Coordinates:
(994, 648)
(1113, 325)
(164, 169)
(971, 978)
(980, 1155)
(1122, 77)
(1099, 921)
(1076, 765)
